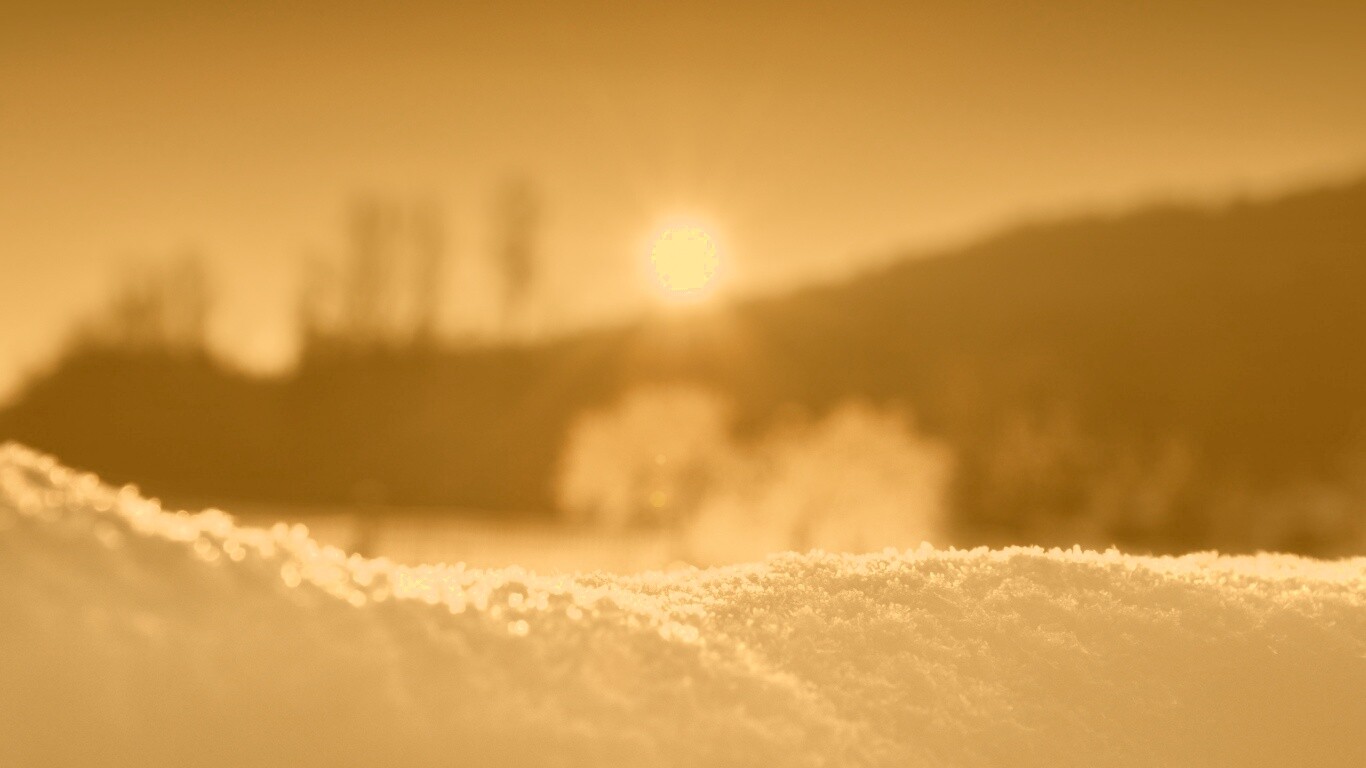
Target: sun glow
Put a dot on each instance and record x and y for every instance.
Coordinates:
(684, 262)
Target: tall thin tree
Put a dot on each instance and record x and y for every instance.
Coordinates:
(518, 214)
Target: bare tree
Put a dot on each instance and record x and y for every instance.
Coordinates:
(388, 292)
(185, 302)
(318, 306)
(163, 307)
(429, 247)
(518, 215)
(370, 282)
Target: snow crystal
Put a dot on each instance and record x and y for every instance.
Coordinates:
(136, 636)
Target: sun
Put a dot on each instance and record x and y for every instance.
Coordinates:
(684, 262)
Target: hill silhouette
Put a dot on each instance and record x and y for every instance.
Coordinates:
(1171, 378)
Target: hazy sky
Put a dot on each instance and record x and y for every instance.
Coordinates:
(811, 137)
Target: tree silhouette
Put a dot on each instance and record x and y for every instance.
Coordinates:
(518, 214)
(156, 308)
(387, 292)
(428, 239)
(368, 305)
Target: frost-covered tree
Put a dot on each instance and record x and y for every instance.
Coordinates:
(858, 480)
(647, 460)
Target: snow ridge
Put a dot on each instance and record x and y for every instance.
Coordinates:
(131, 635)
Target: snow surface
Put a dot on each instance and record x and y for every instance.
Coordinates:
(134, 636)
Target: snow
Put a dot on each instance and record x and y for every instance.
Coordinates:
(134, 636)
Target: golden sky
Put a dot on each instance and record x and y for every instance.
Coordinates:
(811, 138)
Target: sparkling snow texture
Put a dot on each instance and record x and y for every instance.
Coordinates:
(131, 636)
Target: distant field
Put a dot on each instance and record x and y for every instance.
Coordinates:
(442, 536)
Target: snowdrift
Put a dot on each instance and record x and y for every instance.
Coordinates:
(132, 636)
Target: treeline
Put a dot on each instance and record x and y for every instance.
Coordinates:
(384, 291)
(1168, 380)
(139, 395)
(387, 289)
(156, 308)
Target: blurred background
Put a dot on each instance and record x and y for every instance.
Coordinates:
(610, 285)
